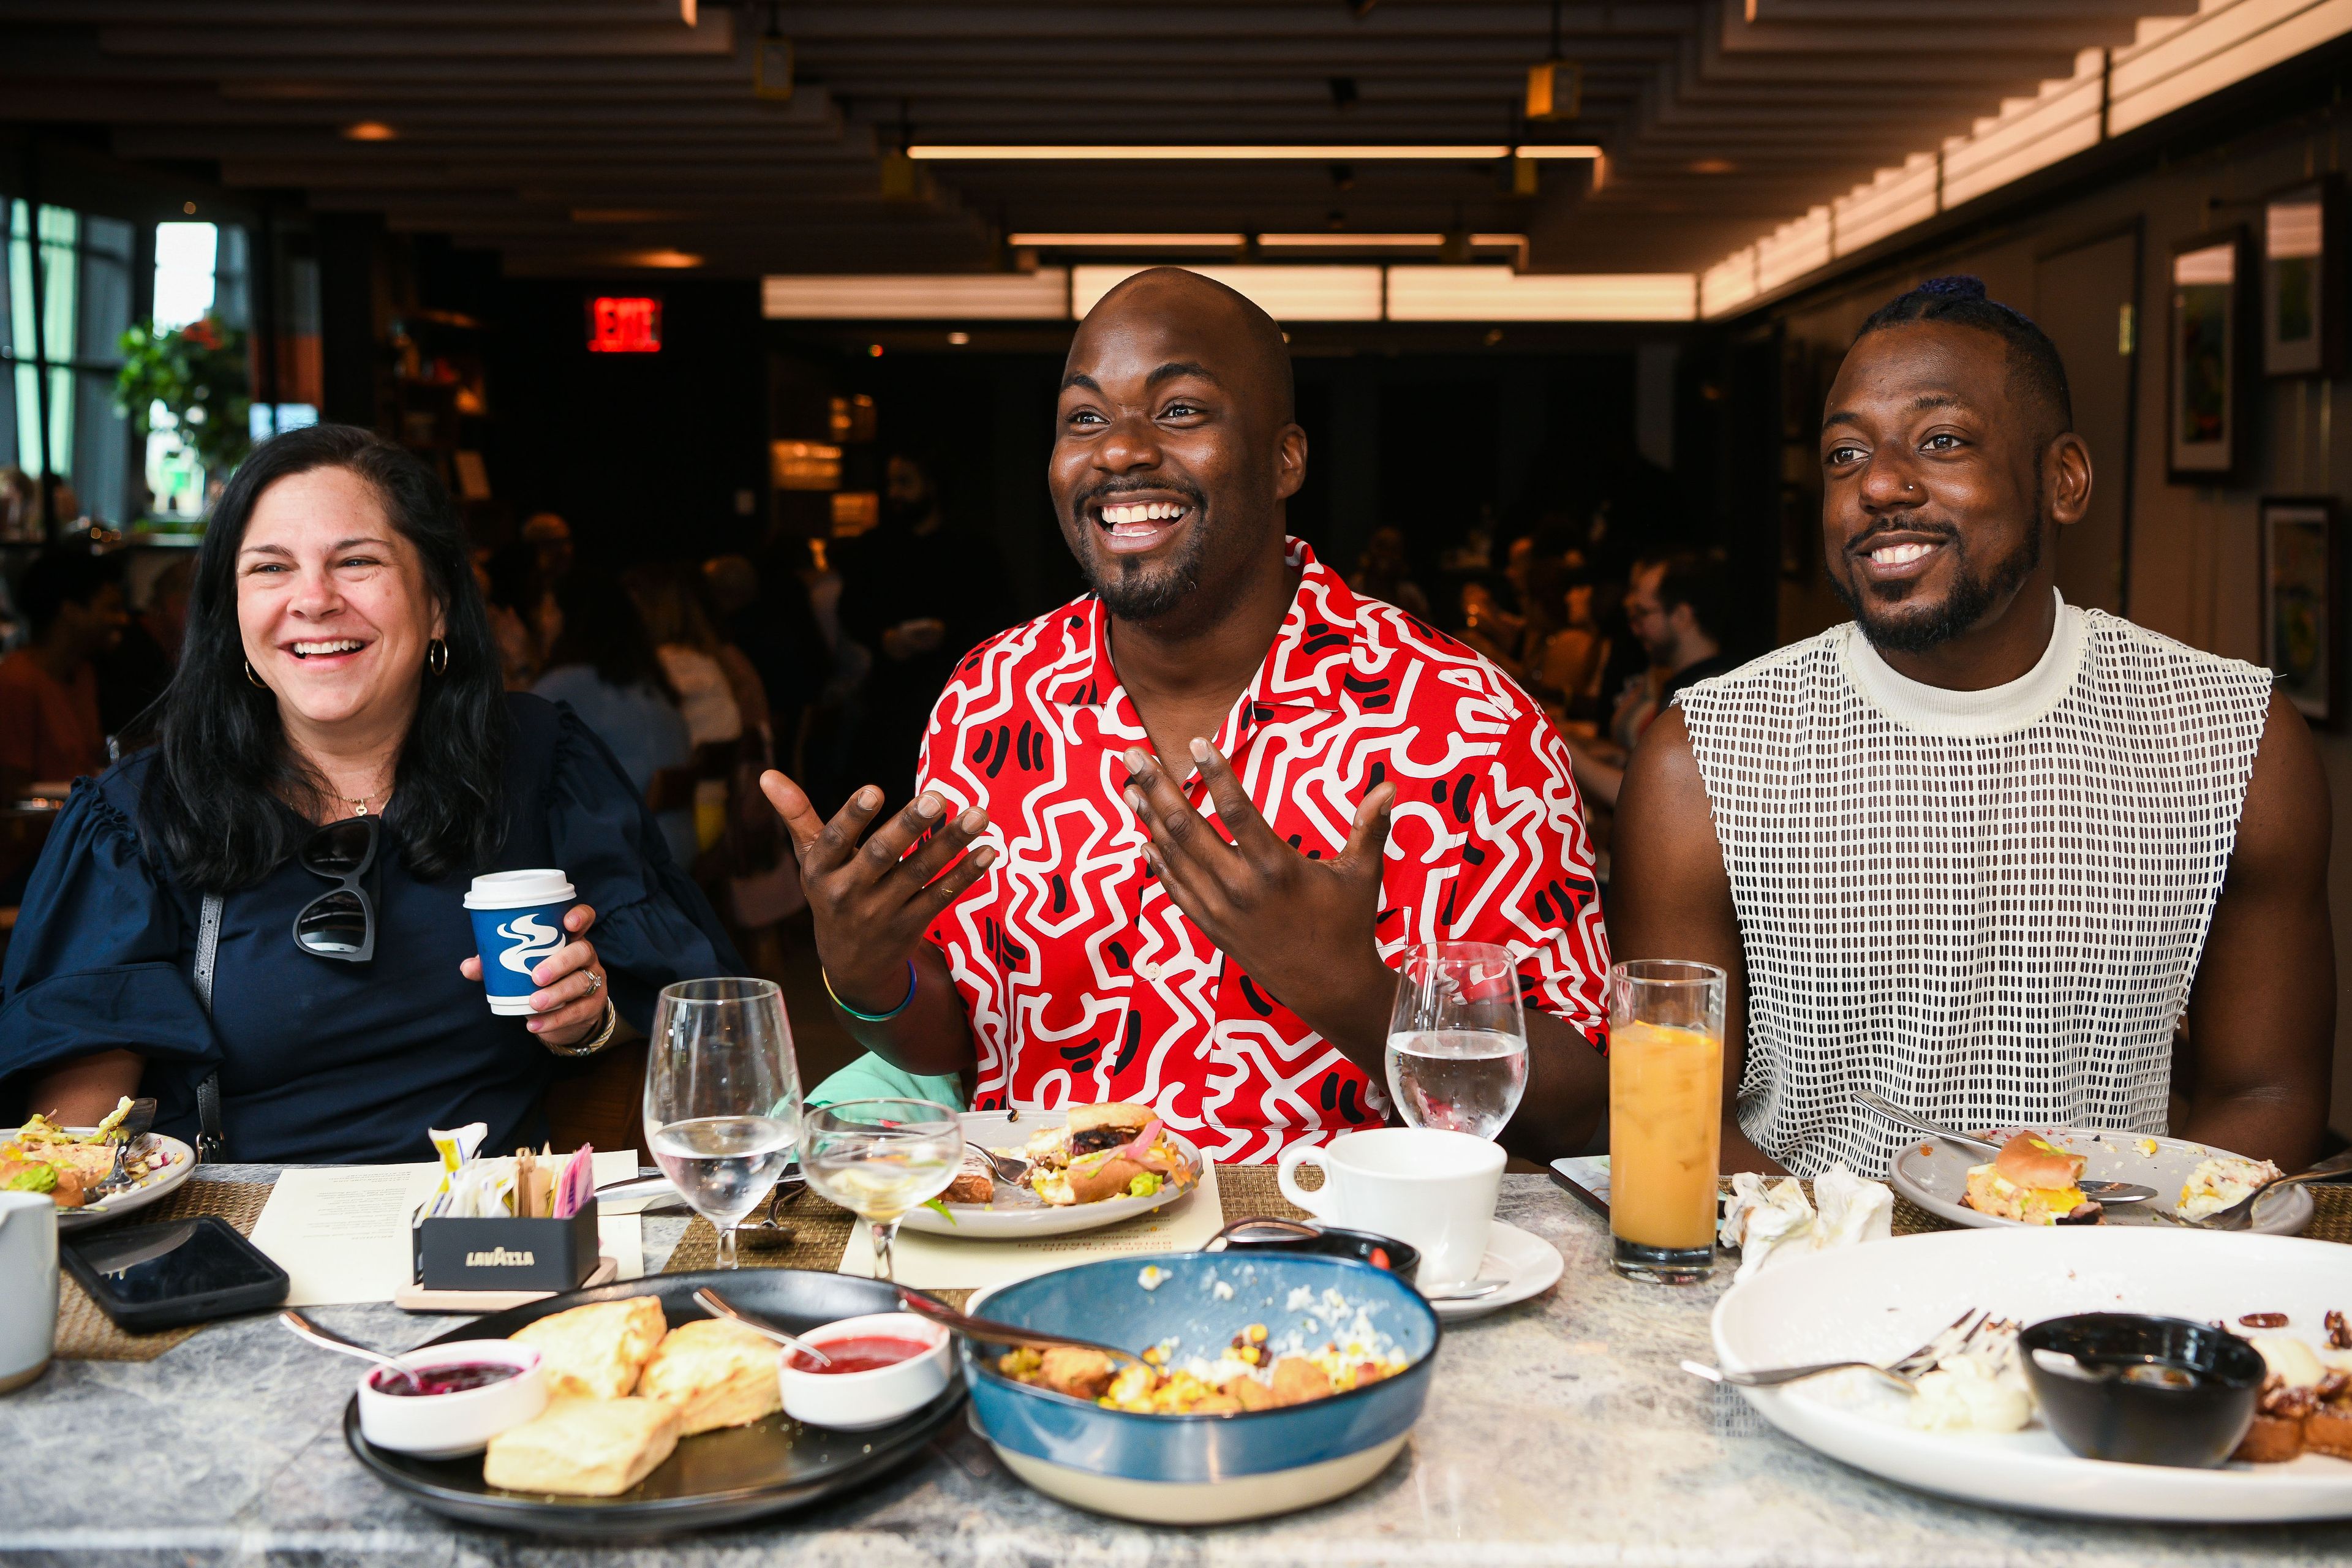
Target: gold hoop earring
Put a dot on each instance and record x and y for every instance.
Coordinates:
(437, 657)
(257, 680)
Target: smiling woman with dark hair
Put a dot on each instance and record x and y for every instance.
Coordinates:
(339, 691)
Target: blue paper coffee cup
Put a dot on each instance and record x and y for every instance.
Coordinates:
(517, 923)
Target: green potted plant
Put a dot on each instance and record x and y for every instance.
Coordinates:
(199, 375)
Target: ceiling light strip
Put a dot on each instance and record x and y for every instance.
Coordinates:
(1097, 152)
(1040, 296)
(1315, 292)
(2174, 62)
(1128, 241)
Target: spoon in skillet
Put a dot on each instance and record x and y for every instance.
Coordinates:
(2102, 1192)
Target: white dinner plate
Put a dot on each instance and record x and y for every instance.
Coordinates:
(1019, 1214)
(1937, 1179)
(149, 1188)
(1531, 1264)
(1879, 1300)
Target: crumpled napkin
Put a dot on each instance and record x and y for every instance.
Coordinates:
(1761, 1222)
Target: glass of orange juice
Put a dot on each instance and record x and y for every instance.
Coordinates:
(1666, 1117)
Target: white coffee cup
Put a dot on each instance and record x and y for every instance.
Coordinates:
(1432, 1189)
(28, 1287)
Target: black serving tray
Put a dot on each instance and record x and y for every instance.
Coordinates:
(714, 1479)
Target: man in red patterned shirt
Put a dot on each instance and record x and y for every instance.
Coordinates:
(1209, 805)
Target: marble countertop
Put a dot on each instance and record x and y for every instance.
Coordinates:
(1560, 1431)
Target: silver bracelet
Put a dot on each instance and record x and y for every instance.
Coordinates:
(595, 1042)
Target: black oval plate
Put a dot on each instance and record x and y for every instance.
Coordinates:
(714, 1478)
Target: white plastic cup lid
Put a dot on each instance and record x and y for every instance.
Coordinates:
(514, 889)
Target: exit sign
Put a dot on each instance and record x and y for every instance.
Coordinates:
(623, 324)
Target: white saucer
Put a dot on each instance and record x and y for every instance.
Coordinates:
(1531, 1264)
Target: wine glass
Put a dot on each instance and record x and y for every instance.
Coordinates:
(1457, 1053)
(722, 1097)
(880, 1158)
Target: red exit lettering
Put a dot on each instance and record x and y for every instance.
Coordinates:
(620, 325)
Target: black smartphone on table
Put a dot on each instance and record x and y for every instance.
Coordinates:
(151, 1276)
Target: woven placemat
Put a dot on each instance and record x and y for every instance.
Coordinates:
(84, 1334)
(821, 1230)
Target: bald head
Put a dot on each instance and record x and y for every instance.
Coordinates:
(1210, 308)
(1176, 447)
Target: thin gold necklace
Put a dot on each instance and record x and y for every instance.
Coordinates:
(361, 805)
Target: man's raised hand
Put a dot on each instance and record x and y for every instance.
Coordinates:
(1301, 927)
(872, 902)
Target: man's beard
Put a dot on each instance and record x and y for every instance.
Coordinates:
(1139, 590)
(1972, 595)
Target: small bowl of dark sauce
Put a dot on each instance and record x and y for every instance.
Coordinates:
(456, 1378)
(452, 1398)
(2142, 1390)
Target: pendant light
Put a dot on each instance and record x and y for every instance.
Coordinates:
(1555, 87)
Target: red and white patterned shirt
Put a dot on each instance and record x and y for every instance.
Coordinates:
(1085, 982)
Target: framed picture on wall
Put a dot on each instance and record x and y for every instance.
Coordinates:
(2301, 614)
(2302, 279)
(2204, 409)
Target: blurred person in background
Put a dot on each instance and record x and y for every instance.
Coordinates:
(524, 618)
(1383, 572)
(549, 538)
(135, 672)
(50, 728)
(713, 688)
(1574, 656)
(1675, 608)
(766, 617)
(921, 594)
(604, 666)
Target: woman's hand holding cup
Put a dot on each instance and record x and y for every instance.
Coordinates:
(872, 902)
(570, 1001)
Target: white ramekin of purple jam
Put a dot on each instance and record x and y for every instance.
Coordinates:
(458, 1397)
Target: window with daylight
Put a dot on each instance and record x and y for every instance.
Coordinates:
(200, 270)
(65, 303)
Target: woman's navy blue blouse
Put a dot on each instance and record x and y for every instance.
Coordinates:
(323, 1061)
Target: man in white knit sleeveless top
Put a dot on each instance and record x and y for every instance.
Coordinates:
(1979, 849)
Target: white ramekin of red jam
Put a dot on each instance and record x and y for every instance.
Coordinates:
(882, 1367)
(453, 1398)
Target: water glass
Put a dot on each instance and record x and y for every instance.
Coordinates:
(880, 1158)
(722, 1097)
(1666, 1117)
(1457, 1054)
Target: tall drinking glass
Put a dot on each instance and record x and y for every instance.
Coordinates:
(1666, 1117)
(1457, 1056)
(880, 1158)
(722, 1097)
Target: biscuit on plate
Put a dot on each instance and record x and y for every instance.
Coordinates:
(596, 1351)
(717, 1373)
(583, 1448)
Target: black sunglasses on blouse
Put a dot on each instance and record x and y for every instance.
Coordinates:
(341, 924)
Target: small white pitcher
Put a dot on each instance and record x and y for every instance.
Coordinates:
(28, 1287)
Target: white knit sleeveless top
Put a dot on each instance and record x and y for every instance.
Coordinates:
(1986, 906)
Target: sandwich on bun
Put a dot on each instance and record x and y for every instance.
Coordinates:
(1118, 1150)
(2033, 1182)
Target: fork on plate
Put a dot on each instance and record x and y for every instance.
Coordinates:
(1905, 1372)
(2240, 1215)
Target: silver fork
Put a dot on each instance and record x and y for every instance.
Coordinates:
(1904, 1371)
(2240, 1215)
(130, 1131)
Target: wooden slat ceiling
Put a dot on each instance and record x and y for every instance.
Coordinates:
(568, 135)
